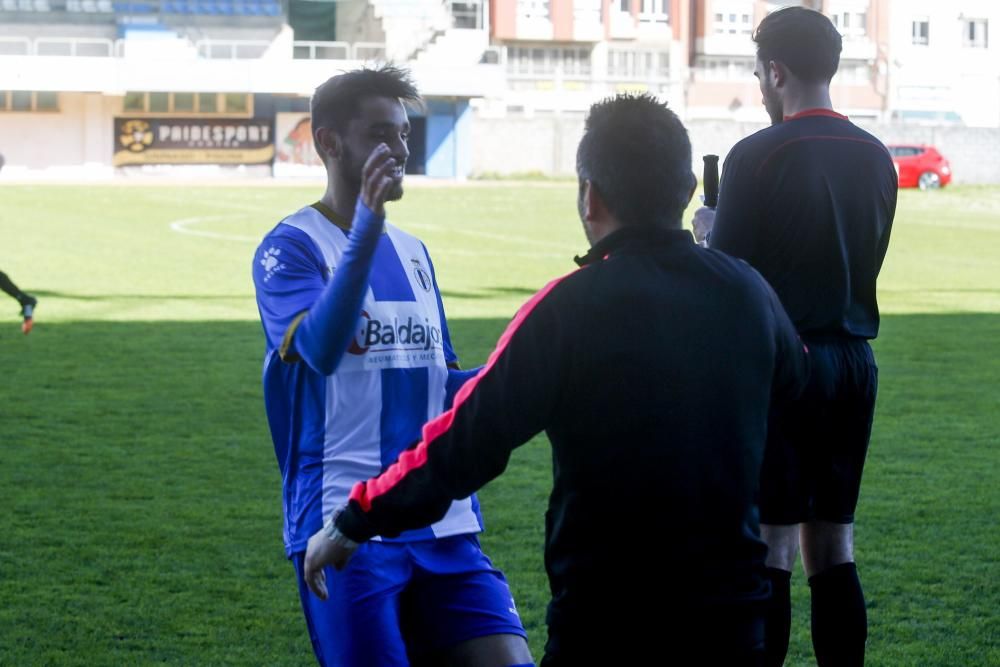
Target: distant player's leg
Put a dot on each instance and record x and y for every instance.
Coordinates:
(8, 286)
(839, 617)
(27, 301)
(459, 610)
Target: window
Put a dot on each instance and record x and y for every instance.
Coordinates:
(852, 25)
(654, 11)
(725, 69)
(905, 151)
(544, 61)
(46, 101)
(533, 10)
(854, 73)
(921, 30)
(638, 64)
(26, 100)
(134, 102)
(974, 33)
(230, 104)
(732, 23)
(236, 103)
(184, 102)
(587, 11)
(20, 100)
(159, 102)
(208, 102)
(468, 15)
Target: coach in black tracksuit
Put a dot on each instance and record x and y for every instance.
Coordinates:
(651, 369)
(809, 203)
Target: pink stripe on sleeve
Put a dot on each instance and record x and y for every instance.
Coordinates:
(364, 493)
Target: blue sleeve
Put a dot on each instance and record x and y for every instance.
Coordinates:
(305, 315)
(288, 276)
(456, 378)
(326, 330)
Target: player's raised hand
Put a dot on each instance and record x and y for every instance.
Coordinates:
(381, 173)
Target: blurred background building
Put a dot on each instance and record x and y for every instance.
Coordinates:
(108, 87)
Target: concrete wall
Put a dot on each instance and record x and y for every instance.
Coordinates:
(547, 144)
(510, 145)
(78, 135)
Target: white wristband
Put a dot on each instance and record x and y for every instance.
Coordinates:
(333, 534)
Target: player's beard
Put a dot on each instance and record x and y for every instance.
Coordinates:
(353, 166)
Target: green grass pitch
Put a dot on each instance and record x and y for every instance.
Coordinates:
(138, 488)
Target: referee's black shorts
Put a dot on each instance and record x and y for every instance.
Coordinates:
(816, 444)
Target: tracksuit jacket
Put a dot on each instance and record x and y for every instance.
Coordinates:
(650, 368)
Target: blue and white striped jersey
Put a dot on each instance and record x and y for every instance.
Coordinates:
(332, 431)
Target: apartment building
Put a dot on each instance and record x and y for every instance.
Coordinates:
(722, 56)
(914, 61)
(561, 55)
(942, 64)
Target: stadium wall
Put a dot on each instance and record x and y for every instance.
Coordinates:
(79, 141)
(547, 144)
(78, 135)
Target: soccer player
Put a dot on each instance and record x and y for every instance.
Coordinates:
(27, 301)
(809, 203)
(358, 357)
(651, 369)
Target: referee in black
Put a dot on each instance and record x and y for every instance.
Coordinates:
(809, 203)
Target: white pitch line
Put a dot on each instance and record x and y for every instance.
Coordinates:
(556, 251)
(516, 240)
(181, 226)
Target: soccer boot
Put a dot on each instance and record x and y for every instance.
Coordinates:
(28, 304)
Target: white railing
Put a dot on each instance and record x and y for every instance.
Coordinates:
(75, 46)
(368, 51)
(15, 46)
(322, 50)
(226, 49)
(231, 49)
(243, 49)
(94, 47)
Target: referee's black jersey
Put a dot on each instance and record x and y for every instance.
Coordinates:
(809, 203)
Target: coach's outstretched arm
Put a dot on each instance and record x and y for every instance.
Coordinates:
(501, 408)
(324, 332)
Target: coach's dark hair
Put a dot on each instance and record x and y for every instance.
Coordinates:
(804, 40)
(336, 101)
(638, 155)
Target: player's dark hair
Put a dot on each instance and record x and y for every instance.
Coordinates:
(638, 155)
(805, 41)
(337, 101)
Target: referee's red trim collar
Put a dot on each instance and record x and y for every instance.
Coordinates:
(816, 112)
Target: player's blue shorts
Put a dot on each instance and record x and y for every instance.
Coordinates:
(399, 600)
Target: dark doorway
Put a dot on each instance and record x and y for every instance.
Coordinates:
(417, 162)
